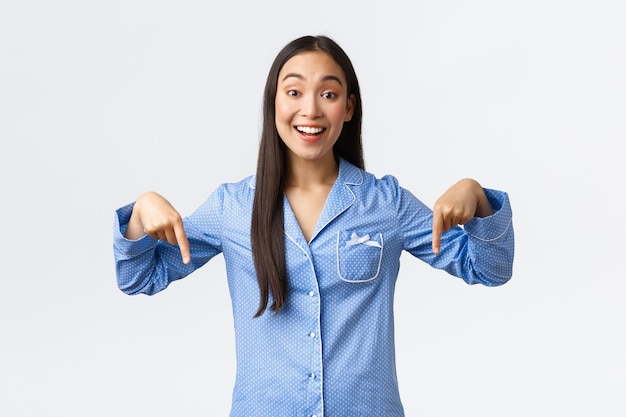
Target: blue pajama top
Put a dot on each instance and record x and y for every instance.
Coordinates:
(330, 350)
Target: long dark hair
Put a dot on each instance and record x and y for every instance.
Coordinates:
(267, 229)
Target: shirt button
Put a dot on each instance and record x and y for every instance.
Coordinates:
(312, 375)
(311, 293)
(314, 415)
(312, 334)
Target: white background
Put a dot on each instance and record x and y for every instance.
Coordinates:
(102, 100)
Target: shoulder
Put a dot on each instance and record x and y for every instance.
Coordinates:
(230, 195)
(361, 179)
(371, 190)
(236, 193)
(244, 185)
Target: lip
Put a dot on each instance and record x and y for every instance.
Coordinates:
(309, 138)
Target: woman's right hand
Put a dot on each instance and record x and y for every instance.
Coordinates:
(154, 215)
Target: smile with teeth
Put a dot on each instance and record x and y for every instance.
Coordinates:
(310, 130)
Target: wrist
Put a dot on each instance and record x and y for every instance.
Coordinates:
(483, 206)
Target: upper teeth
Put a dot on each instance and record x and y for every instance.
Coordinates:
(306, 129)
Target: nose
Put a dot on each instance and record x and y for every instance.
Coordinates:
(311, 107)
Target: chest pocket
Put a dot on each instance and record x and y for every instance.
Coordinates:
(359, 257)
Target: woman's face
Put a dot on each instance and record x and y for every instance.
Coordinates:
(312, 105)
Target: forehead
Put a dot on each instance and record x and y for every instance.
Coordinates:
(312, 65)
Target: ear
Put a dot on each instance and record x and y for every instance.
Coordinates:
(351, 103)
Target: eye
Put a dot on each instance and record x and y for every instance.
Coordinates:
(329, 95)
(293, 93)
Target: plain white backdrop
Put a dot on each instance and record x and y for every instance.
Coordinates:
(102, 100)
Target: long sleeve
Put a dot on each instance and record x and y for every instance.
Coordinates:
(148, 266)
(481, 251)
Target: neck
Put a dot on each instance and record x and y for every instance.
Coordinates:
(311, 173)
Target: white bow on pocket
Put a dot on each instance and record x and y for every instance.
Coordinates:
(365, 240)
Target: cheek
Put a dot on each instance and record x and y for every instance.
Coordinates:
(283, 110)
(337, 113)
(282, 118)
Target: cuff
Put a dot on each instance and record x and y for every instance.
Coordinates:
(125, 246)
(492, 227)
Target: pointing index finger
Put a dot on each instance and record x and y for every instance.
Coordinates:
(183, 243)
(437, 231)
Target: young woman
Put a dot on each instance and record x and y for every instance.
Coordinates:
(315, 240)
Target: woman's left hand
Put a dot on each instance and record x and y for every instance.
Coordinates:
(463, 201)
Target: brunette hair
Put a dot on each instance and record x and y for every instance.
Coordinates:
(267, 228)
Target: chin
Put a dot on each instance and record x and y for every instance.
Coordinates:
(310, 156)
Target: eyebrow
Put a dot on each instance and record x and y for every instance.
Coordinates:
(301, 77)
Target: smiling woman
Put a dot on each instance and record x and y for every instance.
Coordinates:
(312, 247)
(321, 60)
(312, 104)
